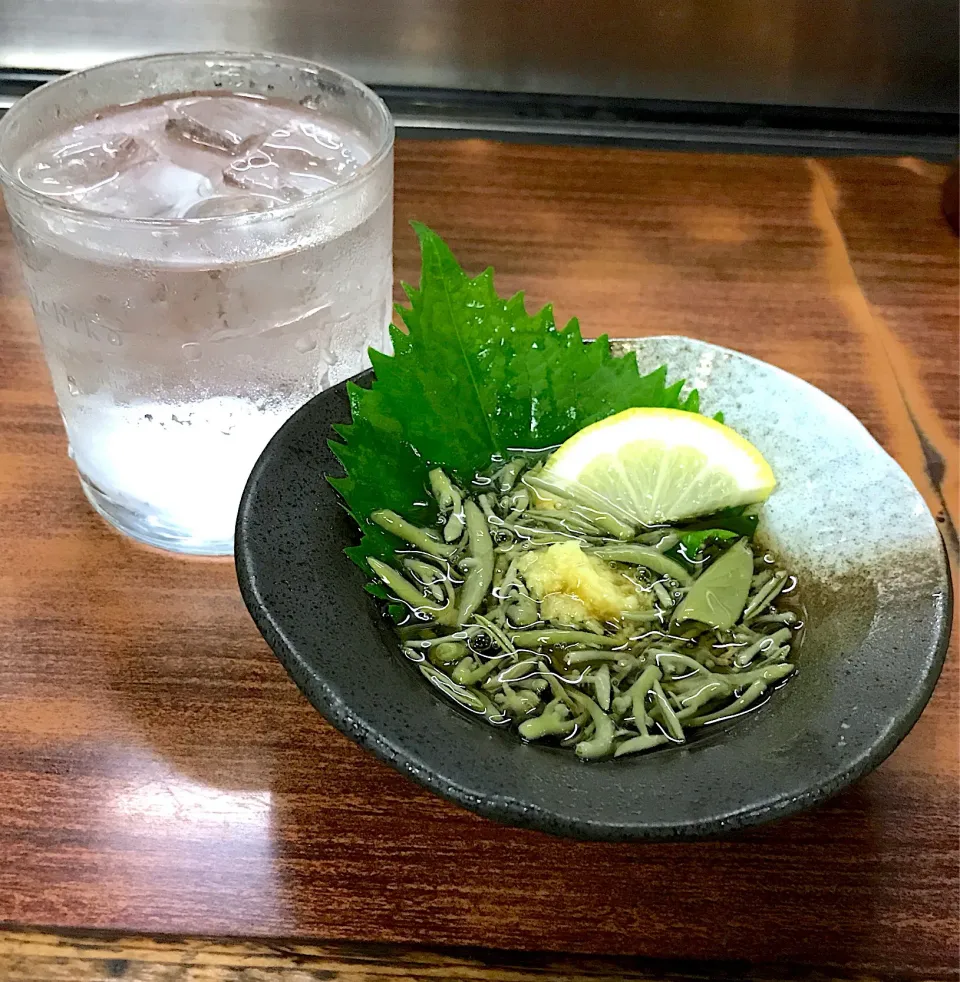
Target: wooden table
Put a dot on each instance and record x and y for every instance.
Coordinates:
(160, 774)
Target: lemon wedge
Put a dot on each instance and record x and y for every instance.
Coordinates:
(650, 466)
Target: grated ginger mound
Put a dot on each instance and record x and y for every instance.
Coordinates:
(576, 589)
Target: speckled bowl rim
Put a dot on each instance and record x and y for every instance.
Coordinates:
(510, 809)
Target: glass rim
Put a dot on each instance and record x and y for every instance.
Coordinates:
(9, 179)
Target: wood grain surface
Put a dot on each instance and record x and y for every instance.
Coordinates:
(43, 956)
(160, 773)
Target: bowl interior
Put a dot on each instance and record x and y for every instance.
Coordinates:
(845, 518)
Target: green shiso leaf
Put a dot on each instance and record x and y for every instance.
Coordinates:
(474, 376)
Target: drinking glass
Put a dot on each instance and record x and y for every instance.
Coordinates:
(178, 345)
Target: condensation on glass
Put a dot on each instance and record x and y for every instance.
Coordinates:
(206, 240)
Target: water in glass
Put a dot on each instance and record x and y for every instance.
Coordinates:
(177, 349)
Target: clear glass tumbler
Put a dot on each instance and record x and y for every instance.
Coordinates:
(178, 343)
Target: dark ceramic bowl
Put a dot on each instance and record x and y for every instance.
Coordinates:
(845, 517)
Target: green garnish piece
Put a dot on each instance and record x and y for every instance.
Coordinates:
(741, 521)
(473, 377)
(731, 523)
(691, 543)
(719, 594)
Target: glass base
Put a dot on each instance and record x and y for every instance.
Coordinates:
(147, 530)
